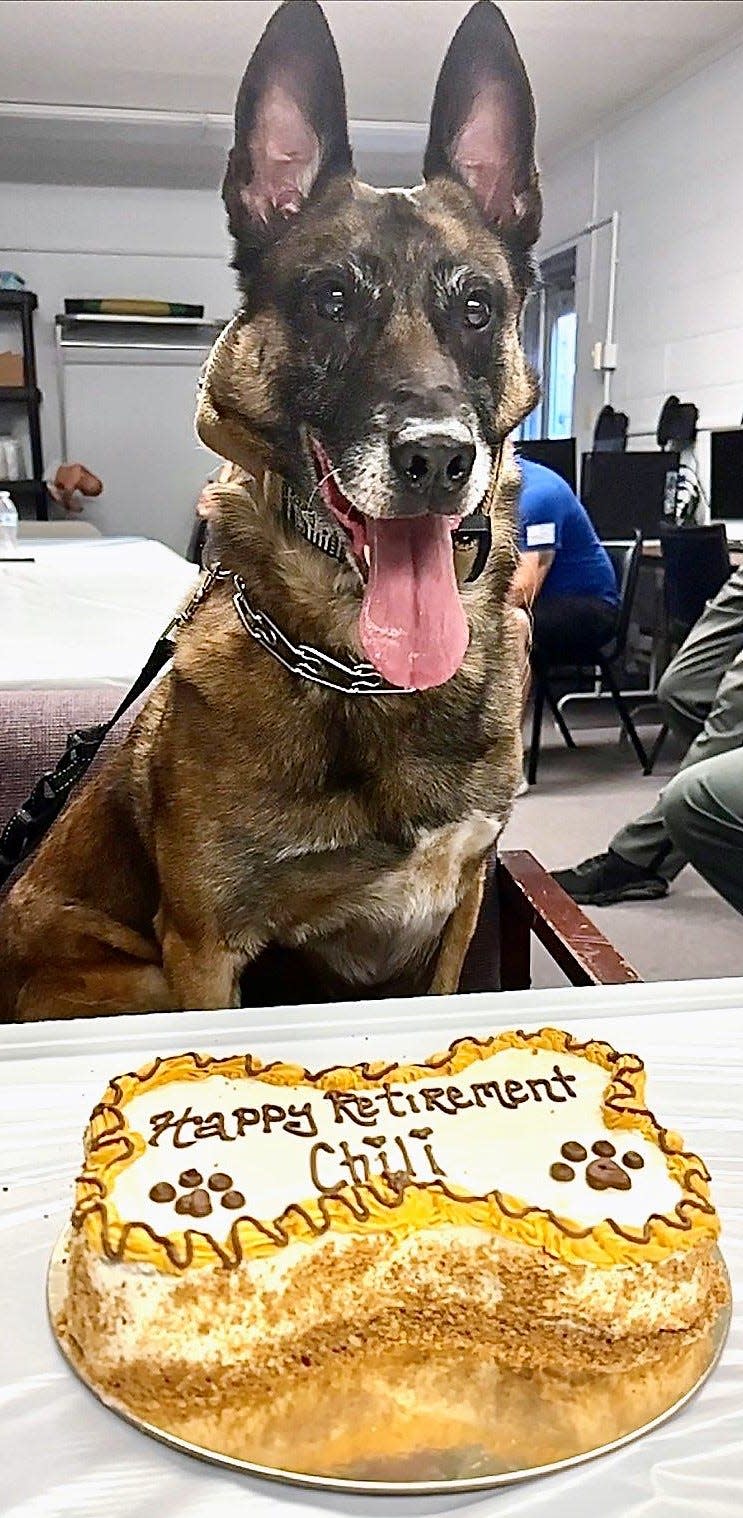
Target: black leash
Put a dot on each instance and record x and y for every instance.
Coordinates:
(27, 826)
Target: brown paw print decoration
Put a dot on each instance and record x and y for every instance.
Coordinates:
(603, 1173)
(195, 1200)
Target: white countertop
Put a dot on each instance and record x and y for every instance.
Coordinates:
(87, 610)
(61, 1453)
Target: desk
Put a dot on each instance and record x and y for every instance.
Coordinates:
(86, 611)
(651, 550)
(62, 1453)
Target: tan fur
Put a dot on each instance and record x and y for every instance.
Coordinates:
(212, 833)
(249, 812)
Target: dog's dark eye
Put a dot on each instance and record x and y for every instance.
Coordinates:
(478, 308)
(331, 301)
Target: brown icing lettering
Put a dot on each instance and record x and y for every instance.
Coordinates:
(298, 1116)
(542, 1081)
(247, 1117)
(318, 1183)
(191, 1127)
(406, 1157)
(213, 1127)
(389, 1097)
(435, 1100)
(352, 1162)
(436, 1168)
(411, 1101)
(458, 1098)
(354, 1105)
(160, 1122)
(566, 1081)
(484, 1091)
(420, 1133)
(513, 1091)
(375, 1140)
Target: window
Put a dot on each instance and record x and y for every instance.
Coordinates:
(549, 334)
(561, 370)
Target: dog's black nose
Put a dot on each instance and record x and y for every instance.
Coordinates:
(434, 465)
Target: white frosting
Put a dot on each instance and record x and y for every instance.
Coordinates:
(506, 1140)
(143, 1297)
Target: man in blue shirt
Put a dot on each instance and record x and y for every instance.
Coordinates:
(564, 575)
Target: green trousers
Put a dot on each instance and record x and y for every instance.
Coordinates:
(701, 693)
(703, 815)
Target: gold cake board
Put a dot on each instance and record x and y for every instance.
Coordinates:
(395, 1425)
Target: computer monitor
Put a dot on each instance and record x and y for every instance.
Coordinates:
(556, 453)
(726, 474)
(623, 491)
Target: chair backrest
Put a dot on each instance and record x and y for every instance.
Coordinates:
(697, 564)
(626, 559)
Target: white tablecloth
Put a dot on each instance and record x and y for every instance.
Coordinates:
(86, 610)
(61, 1453)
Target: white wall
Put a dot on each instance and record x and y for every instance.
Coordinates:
(674, 172)
(167, 244)
(673, 169)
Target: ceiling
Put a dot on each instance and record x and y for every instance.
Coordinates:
(588, 60)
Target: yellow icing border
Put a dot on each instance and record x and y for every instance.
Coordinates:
(110, 1147)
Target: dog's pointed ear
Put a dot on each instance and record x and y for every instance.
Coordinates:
(483, 123)
(291, 130)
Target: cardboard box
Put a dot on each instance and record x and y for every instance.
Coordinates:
(11, 369)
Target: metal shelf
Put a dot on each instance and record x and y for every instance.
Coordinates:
(161, 334)
(130, 317)
(17, 300)
(20, 393)
(98, 337)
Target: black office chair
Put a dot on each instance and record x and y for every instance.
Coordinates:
(625, 560)
(696, 565)
(197, 541)
(610, 432)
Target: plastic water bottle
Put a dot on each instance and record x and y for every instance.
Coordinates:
(8, 524)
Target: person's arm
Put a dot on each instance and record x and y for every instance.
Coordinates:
(68, 480)
(529, 576)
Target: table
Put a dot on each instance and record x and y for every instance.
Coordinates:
(61, 1453)
(651, 550)
(86, 611)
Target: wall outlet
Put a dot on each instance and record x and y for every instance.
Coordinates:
(604, 356)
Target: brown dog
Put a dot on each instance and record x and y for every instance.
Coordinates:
(334, 752)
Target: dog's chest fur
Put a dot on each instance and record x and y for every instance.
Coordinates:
(406, 909)
(345, 831)
(339, 826)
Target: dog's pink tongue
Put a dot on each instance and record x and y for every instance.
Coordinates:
(413, 627)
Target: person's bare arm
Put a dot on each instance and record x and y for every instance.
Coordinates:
(71, 478)
(529, 576)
